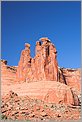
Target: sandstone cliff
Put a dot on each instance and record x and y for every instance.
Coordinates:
(8, 73)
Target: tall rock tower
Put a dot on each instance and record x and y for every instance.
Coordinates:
(43, 66)
(24, 65)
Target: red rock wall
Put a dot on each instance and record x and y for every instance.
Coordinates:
(71, 77)
(8, 73)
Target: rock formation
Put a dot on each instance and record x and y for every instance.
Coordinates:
(71, 77)
(43, 66)
(48, 91)
(56, 86)
(8, 73)
(24, 64)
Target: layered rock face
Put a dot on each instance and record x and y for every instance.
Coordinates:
(50, 92)
(8, 73)
(71, 77)
(43, 66)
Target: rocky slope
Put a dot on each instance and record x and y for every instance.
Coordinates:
(24, 108)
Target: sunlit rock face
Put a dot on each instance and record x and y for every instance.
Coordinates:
(43, 66)
(8, 73)
(24, 65)
(71, 77)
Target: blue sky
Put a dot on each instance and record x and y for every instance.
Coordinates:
(23, 22)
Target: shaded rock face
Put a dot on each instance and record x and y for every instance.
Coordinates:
(8, 73)
(43, 66)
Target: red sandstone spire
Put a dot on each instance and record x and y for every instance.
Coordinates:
(43, 66)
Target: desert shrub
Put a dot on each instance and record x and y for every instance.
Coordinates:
(3, 116)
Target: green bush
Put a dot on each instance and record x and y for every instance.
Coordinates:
(3, 116)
